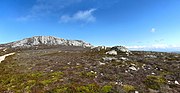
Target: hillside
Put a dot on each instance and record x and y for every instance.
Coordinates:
(63, 68)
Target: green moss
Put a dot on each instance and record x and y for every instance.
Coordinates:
(28, 89)
(106, 88)
(80, 66)
(46, 82)
(36, 75)
(57, 74)
(26, 81)
(65, 67)
(154, 82)
(128, 88)
(51, 78)
(76, 88)
(90, 74)
(83, 89)
(30, 83)
(59, 90)
(87, 74)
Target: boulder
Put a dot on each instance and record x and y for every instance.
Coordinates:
(112, 52)
(109, 58)
(133, 68)
(121, 49)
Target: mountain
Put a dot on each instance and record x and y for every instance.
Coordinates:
(45, 40)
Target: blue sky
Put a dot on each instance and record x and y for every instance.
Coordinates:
(137, 24)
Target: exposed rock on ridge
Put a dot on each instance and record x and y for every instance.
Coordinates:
(113, 50)
(46, 40)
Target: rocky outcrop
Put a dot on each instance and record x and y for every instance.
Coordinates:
(100, 48)
(116, 50)
(121, 49)
(112, 52)
(46, 40)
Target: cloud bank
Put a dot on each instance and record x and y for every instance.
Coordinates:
(158, 47)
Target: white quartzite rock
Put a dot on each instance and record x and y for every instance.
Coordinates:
(4, 56)
(47, 40)
(112, 52)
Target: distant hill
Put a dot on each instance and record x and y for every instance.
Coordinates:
(45, 40)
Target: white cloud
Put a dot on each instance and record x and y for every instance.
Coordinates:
(155, 47)
(153, 30)
(25, 18)
(136, 47)
(83, 16)
(43, 8)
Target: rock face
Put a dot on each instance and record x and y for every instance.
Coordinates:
(47, 40)
(112, 52)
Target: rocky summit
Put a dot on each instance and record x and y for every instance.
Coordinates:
(45, 64)
(46, 40)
